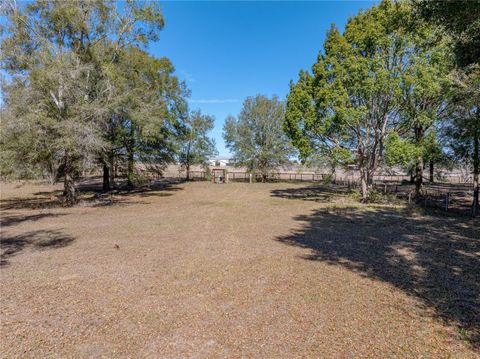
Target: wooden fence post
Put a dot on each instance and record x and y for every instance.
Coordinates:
(447, 195)
(250, 175)
(409, 197)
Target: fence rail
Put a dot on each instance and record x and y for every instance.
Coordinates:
(318, 177)
(451, 197)
(456, 198)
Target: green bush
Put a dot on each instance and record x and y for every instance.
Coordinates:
(139, 178)
(327, 179)
(354, 194)
(208, 173)
(375, 196)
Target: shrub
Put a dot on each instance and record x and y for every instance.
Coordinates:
(327, 179)
(374, 196)
(354, 194)
(139, 178)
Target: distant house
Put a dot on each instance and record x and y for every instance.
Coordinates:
(219, 162)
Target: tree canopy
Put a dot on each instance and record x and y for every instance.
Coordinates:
(256, 137)
(377, 77)
(196, 146)
(352, 96)
(462, 20)
(82, 90)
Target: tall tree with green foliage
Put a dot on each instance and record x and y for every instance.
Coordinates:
(256, 137)
(51, 122)
(424, 83)
(145, 115)
(196, 146)
(59, 56)
(434, 153)
(463, 126)
(351, 100)
(402, 151)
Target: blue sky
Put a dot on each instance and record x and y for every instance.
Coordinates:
(227, 51)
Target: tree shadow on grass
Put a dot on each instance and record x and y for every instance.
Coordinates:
(37, 240)
(315, 193)
(40, 200)
(7, 220)
(434, 259)
(90, 195)
(154, 189)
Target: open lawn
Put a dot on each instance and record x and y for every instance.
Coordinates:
(197, 270)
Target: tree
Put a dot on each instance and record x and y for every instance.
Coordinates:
(50, 119)
(405, 152)
(351, 99)
(434, 153)
(196, 146)
(256, 138)
(55, 53)
(463, 127)
(401, 151)
(145, 119)
(424, 83)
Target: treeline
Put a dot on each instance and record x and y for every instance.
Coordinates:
(400, 86)
(81, 92)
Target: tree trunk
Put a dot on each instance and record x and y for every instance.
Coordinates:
(476, 170)
(69, 191)
(130, 159)
(187, 159)
(130, 166)
(111, 171)
(364, 185)
(369, 178)
(363, 175)
(431, 170)
(419, 162)
(106, 178)
(419, 176)
(334, 175)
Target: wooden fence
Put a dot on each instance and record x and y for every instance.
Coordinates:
(273, 177)
(235, 175)
(449, 197)
(455, 198)
(243, 176)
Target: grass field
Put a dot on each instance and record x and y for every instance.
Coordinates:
(197, 270)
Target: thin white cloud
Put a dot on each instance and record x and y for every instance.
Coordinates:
(214, 100)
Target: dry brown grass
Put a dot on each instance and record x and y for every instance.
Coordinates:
(262, 270)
